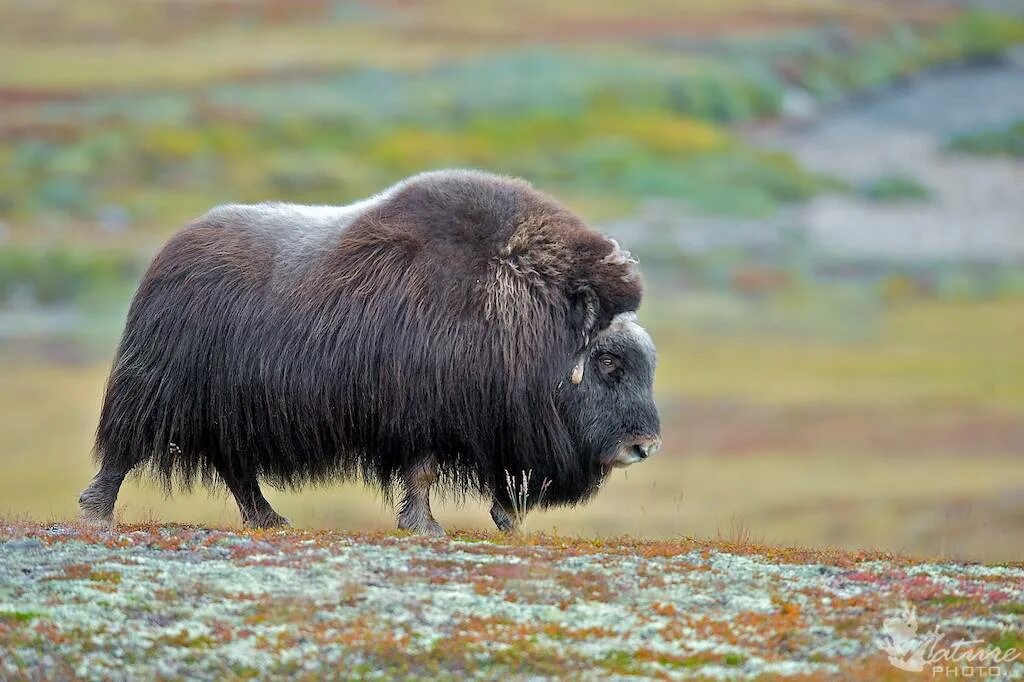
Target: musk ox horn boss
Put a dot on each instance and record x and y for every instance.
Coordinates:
(452, 332)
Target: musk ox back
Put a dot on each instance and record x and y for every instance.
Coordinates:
(456, 330)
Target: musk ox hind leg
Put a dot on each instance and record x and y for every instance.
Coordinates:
(414, 510)
(502, 519)
(256, 511)
(97, 501)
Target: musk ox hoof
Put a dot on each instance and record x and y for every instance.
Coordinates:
(270, 519)
(96, 509)
(428, 527)
(433, 529)
(96, 519)
(502, 519)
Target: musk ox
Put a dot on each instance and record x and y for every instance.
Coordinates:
(458, 330)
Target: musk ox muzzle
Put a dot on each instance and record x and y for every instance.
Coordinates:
(631, 452)
(459, 331)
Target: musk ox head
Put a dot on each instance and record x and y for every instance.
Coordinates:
(607, 399)
(596, 371)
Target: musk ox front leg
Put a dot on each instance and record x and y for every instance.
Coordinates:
(414, 510)
(97, 501)
(256, 511)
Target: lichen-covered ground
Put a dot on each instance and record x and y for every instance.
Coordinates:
(184, 602)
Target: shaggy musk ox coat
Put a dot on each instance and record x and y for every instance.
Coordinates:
(459, 329)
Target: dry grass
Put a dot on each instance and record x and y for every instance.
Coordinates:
(930, 354)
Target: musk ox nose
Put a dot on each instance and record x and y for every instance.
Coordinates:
(647, 446)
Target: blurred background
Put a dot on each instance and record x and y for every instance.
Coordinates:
(827, 199)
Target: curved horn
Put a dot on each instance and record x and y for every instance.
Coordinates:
(577, 372)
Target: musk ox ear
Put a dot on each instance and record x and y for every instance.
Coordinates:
(583, 315)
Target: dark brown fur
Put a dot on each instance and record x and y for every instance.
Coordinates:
(437, 326)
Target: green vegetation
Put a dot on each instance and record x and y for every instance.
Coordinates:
(734, 659)
(1008, 141)
(889, 188)
(629, 121)
(951, 600)
(18, 617)
(627, 153)
(138, 137)
(55, 275)
(832, 74)
(1010, 640)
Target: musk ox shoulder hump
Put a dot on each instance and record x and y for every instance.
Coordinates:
(520, 247)
(509, 249)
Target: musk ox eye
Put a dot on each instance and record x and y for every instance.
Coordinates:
(607, 362)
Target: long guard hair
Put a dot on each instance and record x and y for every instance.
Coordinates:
(435, 320)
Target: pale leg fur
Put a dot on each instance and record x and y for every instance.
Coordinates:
(414, 511)
(97, 501)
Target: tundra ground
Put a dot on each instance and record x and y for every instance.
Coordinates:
(200, 603)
